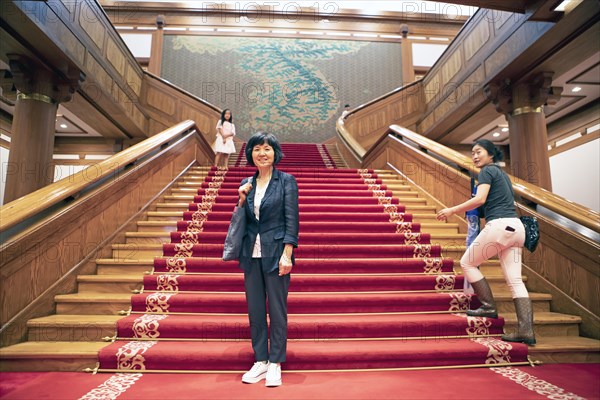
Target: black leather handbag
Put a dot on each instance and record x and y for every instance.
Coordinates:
(532, 228)
(235, 234)
(532, 232)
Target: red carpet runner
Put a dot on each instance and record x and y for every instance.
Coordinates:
(297, 155)
(368, 290)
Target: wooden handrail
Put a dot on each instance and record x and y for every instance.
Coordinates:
(575, 212)
(356, 148)
(34, 203)
(182, 91)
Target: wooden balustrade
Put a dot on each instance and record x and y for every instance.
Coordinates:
(52, 241)
(565, 263)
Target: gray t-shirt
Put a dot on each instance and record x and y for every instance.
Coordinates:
(500, 202)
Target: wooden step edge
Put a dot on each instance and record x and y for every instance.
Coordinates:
(93, 297)
(545, 318)
(430, 225)
(565, 344)
(167, 235)
(157, 223)
(52, 350)
(118, 297)
(118, 261)
(165, 214)
(111, 278)
(107, 321)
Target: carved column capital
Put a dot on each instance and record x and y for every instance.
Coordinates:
(523, 97)
(501, 95)
(34, 81)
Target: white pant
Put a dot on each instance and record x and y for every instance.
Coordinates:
(503, 237)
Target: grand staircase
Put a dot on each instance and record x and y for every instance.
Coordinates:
(375, 286)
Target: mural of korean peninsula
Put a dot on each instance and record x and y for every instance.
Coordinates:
(294, 87)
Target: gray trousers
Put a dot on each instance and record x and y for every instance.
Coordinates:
(260, 286)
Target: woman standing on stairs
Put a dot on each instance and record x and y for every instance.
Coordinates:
(270, 201)
(224, 145)
(503, 235)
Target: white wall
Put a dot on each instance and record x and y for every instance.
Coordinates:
(425, 54)
(3, 163)
(62, 171)
(576, 174)
(140, 44)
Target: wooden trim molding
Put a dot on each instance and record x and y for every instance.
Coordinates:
(575, 143)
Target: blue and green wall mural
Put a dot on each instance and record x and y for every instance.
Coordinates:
(294, 88)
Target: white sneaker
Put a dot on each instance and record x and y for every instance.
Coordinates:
(273, 375)
(257, 373)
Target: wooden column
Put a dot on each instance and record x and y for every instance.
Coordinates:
(408, 69)
(156, 49)
(522, 104)
(30, 165)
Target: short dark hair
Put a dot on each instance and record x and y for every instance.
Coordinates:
(347, 105)
(263, 137)
(491, 149)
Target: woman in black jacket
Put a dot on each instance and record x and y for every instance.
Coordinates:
(270, 201)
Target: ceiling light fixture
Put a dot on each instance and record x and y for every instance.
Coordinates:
(338, 34)
(562, 6)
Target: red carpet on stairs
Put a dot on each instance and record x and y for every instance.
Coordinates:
(369, 290)
(297, 155)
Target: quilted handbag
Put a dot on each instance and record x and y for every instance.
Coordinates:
(532, 232)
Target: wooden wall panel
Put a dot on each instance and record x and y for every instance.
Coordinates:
(134, 80)
(451, 66)
(432, 87)
(167, 106)
(72, 45)
(98, 73)
(515, 44)
(89, 22)
(403, 107)
(206, 122)
(155, 127)
(161, 102)
(477, 38)
(70, 6)
(115, 56)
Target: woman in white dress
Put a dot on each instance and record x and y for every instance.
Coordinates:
(224, 145)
